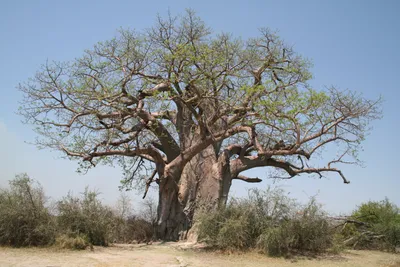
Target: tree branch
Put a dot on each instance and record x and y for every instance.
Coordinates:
(247, 179)
(148, 183)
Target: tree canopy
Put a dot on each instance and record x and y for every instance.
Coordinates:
(154, 99)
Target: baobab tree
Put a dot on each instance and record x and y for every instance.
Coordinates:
(192, 110)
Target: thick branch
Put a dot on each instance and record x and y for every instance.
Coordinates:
(247, 179)
(241, 164)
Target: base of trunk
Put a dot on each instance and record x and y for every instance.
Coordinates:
(203, 184)
(172, 222)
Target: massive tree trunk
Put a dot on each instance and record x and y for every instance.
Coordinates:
(204, 183)
(171, 218)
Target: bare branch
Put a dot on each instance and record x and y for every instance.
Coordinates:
(148, 183)
(247, 179)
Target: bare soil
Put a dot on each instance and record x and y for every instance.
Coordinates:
(177, 255)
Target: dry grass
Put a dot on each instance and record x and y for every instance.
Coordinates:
(168, 255)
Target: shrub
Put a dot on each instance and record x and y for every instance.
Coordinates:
(378, 226)
(269, 221)
(139, 229)
(86, 216)
(307, 231)
(242, 221)
(77, 242)
(392, 235)
(128, 227)
(377, 212)
(275, 241)
(122, 212)
(25, 219)
(311, 229)
(76, 222)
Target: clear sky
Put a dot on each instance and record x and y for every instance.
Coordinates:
(353, 44)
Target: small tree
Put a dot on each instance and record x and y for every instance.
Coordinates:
(191, 110)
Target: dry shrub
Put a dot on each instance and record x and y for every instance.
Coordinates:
(275, 241)
(128, 227)
(87, 216)
(76, 222)
(25, 219)
(242, 221)
(139, 229)
(269, 221)
(307, 231)
(77, 242)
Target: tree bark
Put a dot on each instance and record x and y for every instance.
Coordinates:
(203, 184)
(171, 219)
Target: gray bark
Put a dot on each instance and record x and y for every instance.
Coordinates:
(204, 183)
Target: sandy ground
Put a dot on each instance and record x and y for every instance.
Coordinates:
(172, 255)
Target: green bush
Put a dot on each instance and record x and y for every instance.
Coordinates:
(377, 212)
(311, 229)
(225, 228)
(242, 221)
(275, 241)
(307, 231)
(269, 221)
(75, 222)
(392, 235)
(378, 226)
(86, 216)
(25, 219)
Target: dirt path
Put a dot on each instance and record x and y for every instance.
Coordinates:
(169, 256)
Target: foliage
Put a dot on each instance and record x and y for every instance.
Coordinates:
(122, 212)
(377, 212)
(25, 220)
(307, 231)
(225, 228)
(269, 221)
(75, 222)
(378, 226)
(86, 216)
(241, 222)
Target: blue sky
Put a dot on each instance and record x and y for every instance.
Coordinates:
(353, 44)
